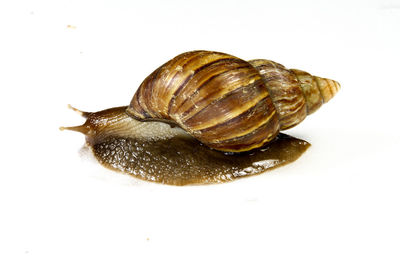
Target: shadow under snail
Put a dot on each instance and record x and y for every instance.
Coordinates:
(207, 117)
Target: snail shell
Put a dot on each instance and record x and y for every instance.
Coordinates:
(227, 103)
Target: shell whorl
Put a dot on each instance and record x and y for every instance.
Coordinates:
(225, 102)
(295, 93)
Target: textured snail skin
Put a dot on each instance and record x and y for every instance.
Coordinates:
(227, 103)
(155, 151)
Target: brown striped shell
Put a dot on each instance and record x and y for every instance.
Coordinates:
(227, 103)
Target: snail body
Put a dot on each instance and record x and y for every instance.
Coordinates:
(226, 103)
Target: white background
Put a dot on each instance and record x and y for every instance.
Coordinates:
(338, 205)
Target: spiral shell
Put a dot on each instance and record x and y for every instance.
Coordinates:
(227, 103)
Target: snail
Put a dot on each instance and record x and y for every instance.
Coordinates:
(226, 103)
